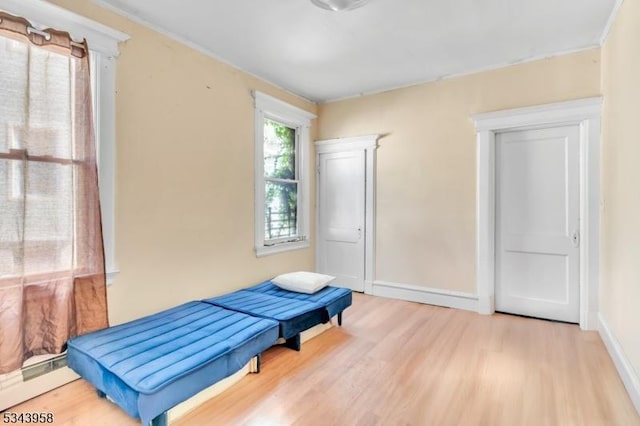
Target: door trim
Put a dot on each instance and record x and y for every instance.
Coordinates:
(368, 144)
(586, 114)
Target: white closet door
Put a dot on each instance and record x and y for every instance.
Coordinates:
(537, 223)
(341, 209)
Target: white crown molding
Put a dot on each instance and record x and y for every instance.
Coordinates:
(210, 53)
(198, 48)
(478, 70)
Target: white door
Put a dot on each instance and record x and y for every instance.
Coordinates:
(341, 220)
(537, 223)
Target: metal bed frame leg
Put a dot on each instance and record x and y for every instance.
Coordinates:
(293, 342)
(161, 420)
(340, 319)
(258, 363)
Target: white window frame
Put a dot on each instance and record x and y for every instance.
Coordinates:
(267, 107)
(103, 44)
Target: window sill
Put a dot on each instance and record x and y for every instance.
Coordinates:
(279, 248)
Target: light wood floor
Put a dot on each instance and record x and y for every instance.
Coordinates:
(401, 363)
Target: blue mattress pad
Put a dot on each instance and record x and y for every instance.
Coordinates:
(151, 364)
(293, 315)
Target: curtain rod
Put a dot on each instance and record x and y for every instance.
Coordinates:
(47, 35)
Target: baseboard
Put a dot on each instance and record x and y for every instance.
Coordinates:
(626, 371)
(368, 287)
(430, 296)
(592, 321)
(13, 390)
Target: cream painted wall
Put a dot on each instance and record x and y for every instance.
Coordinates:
(426, 161)
(184, 191)
(620, 216)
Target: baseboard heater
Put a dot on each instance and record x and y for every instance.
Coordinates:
(34, 379)
(40, 368)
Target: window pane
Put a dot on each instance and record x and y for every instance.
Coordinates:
(38, 83)
(36, 218)
(279, 150)
(280, 210)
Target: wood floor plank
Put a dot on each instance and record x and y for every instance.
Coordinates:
(402, 363)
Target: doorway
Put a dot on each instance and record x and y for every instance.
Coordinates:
(537, 257)
(345, 210)
(583, 113)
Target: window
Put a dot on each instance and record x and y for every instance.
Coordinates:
(281, 182)
(36, 159)
(282, 199)
(103, 42)
(52, 283)
(44, 181)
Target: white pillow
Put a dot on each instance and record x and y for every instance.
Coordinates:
(302, 282)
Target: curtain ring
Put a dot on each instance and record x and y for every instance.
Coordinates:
(44, 34)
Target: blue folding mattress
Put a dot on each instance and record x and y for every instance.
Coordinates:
(296, 312)
(333, 299)
(293, 315)
(149, 365)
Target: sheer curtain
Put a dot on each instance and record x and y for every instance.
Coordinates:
(52, 281)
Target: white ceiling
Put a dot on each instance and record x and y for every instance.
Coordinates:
(324, 55)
